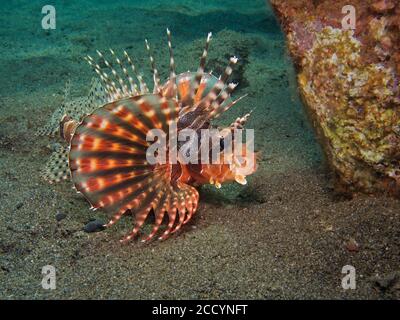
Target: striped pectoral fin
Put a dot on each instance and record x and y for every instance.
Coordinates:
(188, 198)
(159, 210)
(183, 201)
(178, 203)
(145, 203)
(108, 160)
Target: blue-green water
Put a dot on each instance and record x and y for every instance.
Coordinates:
(41, 61)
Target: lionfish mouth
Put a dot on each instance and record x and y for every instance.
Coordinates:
(106, 141)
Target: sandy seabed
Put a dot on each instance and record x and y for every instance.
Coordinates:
(285, 235)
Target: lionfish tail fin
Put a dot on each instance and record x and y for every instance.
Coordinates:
(67, 90)
(50, 128)
(56, 168)
(75, 108)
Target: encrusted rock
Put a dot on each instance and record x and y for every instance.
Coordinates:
(349, 82)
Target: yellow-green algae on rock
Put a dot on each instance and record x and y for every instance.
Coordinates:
(349, 82)
(357, 108)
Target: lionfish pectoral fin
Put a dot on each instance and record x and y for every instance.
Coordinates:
(183, 200)
(177, 203)
(56, 168)
(109, 163)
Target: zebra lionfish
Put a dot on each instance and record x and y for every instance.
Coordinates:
(105, 152)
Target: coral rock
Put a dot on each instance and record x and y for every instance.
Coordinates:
(349, 82)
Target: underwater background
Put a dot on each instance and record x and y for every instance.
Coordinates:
(284, 235)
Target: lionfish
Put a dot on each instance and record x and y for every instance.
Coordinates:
(105, 135)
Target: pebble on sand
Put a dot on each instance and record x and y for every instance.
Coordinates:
(60, 216)
(352, 245)
(94, 226)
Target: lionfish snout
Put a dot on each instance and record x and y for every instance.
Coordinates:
(107, 141)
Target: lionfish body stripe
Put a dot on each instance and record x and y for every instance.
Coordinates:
(107, 160)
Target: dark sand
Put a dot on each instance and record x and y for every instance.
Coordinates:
(282, 236)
